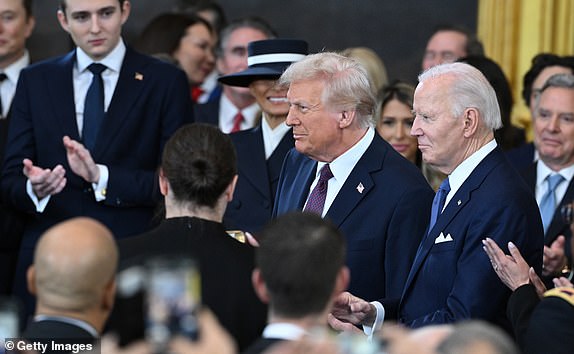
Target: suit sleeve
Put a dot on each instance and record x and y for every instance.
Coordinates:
(128, 186)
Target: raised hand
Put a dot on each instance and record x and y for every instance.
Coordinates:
(44, 181)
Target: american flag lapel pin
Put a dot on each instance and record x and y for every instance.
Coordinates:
(360, 188)
(139, 76)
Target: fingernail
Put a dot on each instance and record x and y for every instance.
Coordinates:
(511, 245)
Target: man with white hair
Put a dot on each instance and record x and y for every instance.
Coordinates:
(451, 279)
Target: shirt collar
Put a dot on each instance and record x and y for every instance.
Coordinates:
(12, 71)
(112, 61)
(342, 166)
(462, 171)
(287, 331)
(69, 320)
(543, 171)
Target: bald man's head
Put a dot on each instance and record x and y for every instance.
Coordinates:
(74, 266)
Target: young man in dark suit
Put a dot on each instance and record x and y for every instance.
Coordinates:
(17, 27)
(375, 197)
(451, 279)
(84, 141)
(300, 269)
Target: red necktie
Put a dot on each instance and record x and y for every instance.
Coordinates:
(196, 92)
(237, 120)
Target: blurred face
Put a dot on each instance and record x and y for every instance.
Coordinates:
(444, 47)
(541, 79)
(316, 128)
(195, 53)
(395, 127)
(271, 98)
(94, 25)
(15, 28)
(554, 127)
(440, 135)
(234, 56)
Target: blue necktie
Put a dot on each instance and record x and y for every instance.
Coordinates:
(548, 201)
(438, 202)
(93, 106)
(316, 200)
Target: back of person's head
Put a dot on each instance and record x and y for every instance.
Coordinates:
(252, 22)
(372, 62)
(164, 32)
(199, 162)
(539, 63)
(477, 337)
(469, 88)
(347, 84)
(74, 267)
(299, 258)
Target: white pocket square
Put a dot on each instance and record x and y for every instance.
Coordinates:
(442, 238)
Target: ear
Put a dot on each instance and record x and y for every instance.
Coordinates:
(109, 295)
(259, 286)
(231, 188)
(346, 118)
(30, 24)
(163, 183)
(31, 280)
(126, 8)
(63, 21)
(471, 120)
(342, 281)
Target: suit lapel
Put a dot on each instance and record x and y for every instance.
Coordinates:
(454, 206)
(61, 92)
(130, 84)
(275, 161)
(557, 225)
(358, 184)
(253, 167)
(304, 179)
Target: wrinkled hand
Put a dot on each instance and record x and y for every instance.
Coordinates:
(348, 311)
(81, 161)
(554, 258)
(562, 282)
(213, 339)
(511, 269)
(44, 182)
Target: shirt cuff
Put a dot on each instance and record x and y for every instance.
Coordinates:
(39, 203)
(370, 330)
(100, 188)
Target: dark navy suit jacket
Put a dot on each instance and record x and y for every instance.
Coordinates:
(207, 112)
(521, 157)
(454, 280)
(252, 203)
(149, 104)
(383, 222)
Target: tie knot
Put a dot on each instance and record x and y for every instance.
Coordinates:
(96, 68)
(3, 77)
(554, 180)
(445, 186)
(325, 173)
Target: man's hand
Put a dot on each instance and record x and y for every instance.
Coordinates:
(81, 161)
(348, 311)
(44, 182)
(511, 269)
(537, 282)
(554, 258)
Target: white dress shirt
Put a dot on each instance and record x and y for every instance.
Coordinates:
(543, 171)
(227, 112)
(82, 78)
(8, 86)
(341, 167)
(272, 137)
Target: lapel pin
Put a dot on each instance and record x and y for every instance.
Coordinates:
(139, 76)
(360, 188)
(459, 202)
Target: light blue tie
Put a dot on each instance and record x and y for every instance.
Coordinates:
(438, 202)
(548, 201)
